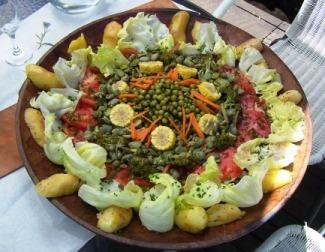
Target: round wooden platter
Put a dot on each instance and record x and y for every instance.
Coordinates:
(39, 167)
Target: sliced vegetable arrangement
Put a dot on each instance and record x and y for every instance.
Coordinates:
(182, 133)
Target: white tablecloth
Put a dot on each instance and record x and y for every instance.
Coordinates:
(29, 222)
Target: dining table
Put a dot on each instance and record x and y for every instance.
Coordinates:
(29, 222)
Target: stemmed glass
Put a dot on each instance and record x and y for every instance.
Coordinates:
(9, 23)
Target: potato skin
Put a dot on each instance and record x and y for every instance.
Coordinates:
(114, 218)
(78, 43)
(220, 214)
(57, 185)
(253, 42)
(111, 30)
(35, 123)
(41, 77)
(193, 219)
(178, 26)
(291, 95)
(275, 179)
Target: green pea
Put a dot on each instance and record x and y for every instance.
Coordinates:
(158, 106)
(161, 112)
(153, 103)
(174, 98)
(164, 121)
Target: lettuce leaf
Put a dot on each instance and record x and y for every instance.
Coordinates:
(69, 73)
(283, 154)
(205, 35)
(188, 49)
(226, 52)
(249, 57)
(268, 91)
(54, 139)
(211, 171)
(259, 75)
(130, 196)
(248, 191)
(58, 101)
(252, 152)
(86, 161)
(158, 207)
(107, 60)
(145, 32)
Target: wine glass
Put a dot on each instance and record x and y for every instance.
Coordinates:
(9, 23)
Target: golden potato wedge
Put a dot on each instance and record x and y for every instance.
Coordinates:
(253, 42)
(151, 67)
(114, 218)
(178, 26)
(78, 43)
(195, 30)
(35, 123)
(111, 30)
(42, 78)
(220, 214)
(291, 95)
(193, 219)
(57, 185)
(275, 179)
(186, 72)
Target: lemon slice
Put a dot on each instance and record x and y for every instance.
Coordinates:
(121, 115)
(208, 123)
(163, 138)
(209, 91)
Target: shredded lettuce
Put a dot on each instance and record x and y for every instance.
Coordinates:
(107, 60)
(54, 139)
(248, 191)
(249, 57)
(145, 32)
(69, 73)
(259, 75)
(158, 207)
(58, 101)
(130, 196)
(86, 161)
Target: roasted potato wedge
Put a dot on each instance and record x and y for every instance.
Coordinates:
(114, 218)
(291, 95)
(77, 43)
(186, 72)
(35, 123)
(275, 179)
(110, 37)
(42, 78)
(220, 214)
(151, 67)
(193, 219)
(57, 185)
(178, 26)
(253, 42)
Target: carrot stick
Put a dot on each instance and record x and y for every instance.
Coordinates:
(188, 129)
(148, 142)
(183, 122)
(133, 131)
(127, 95)
(196, 126)
(201, 97)
(143, 133)
(201, 105)
(172, 74)
(189, 82)
(140, 114)
(172, 122)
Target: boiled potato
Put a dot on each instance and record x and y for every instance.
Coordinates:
(195, 30)
(253, 42)
(151, 67)
(57, 185)
(35, 123)
(193, 219)
(291, 95)
(275, 179)
(178, 26)
(186, 72)
(111, 30)
(42, 78)
(78, 43)
(220, 214)
(114, 218)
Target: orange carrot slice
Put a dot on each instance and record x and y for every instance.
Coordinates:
(201, 97)
(196, 126)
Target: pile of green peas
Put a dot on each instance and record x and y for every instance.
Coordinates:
(165, 99)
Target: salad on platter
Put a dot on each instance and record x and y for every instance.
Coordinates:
(181, 133)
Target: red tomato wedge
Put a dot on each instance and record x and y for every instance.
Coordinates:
(229, 169)
(90, 83)
(122, 177)
(244, 83)
(128, 51)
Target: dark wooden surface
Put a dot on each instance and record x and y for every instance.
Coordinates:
(298, 210)
(39, 167)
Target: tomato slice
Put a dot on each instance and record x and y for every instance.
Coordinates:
(88, 101)
(198, 169)
(127, 52)
(90, 83)
(122, 177)
(229, 169)
(142, 182)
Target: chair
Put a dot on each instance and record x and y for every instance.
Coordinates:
(303, 50)
(294, 238)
